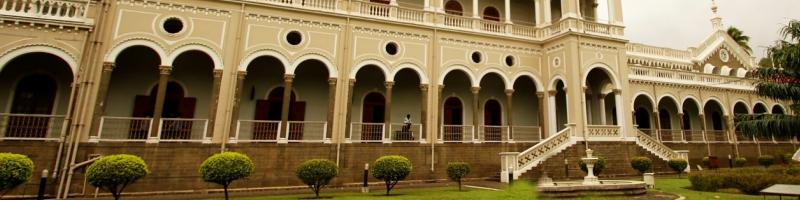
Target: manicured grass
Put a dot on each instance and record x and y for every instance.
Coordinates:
(678, 186)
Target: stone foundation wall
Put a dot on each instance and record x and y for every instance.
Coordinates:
(175, 166)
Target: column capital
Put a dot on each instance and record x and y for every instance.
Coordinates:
(288, 77)
(509, 92)
(241, 74)
(388, 84)
(617, 91)
(441, 87)
(540, 94)
(423, 87)
(655, 113)
(565, 89)
(701, 115)
(601, 96)
(680, 114)
(352, 82)
(726, 117)
(217, 73)
(552, 92)
(165, 69)
(109, 66)
(585, 88)
(332, 81)
(475, 90)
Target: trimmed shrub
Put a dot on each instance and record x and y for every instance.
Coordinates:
(391, 169)
(15, 169)
(705, 161)
(641, 163)
(747, 180)
(783, 157)
(678, 165)
(114, 173)
(456, 171)
(766, 160)
(224, 168)
(316, 173)
(599, 166)
(740, 161)
(793, 170)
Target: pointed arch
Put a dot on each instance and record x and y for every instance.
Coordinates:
(536, 80)
(196, 47)
(111, 55)
(263, 52)
(610, 72)
(460, 68)
(499, 72)
(384, 68)
(423, 78)
(332, 71)
(40, 48)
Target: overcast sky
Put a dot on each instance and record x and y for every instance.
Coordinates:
(679, 24)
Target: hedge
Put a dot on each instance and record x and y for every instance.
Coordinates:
(747, 180)
(224, 168)
(391, 169)
(114, 173)
(316, 173)
(15, 169)
(456, 171)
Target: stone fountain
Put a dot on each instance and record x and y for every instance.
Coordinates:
(591, 185)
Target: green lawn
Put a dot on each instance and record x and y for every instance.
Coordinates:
(520, 190)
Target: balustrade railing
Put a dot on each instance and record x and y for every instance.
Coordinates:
(366, 132)
(306, 131)
(654, 146)
(48, 9)
(598, 28)
(678, 75)
(456, 133)
(411, 15)
(604, 131)
(634, 48)
(257, 131)
(124, 129)
(762, 139)
(404, 133)
(670, 135)
(458, 21)
(782, 139)
(492, 26)
(717, 136)
(531, 157)
(741, 138)
(493, 133)
(30, 127)
(182, 130)
(375, 10)
(319, 4)
(694, 136)
(526, 134)
(649, 132)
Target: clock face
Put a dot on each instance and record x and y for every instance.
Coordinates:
(723, 55)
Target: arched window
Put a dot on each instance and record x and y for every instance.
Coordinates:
(716, 121)
(687, 122)
(454, 8)
(381, 1)
(491, 13)
(34, 94)
(666, 122)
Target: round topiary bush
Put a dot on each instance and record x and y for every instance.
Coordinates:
(391, 169)
(316, 173)
(15, 169)
(766, 160)
(641, 163)
(457, 170)
(116, 172)
(705, 161)
(224, 168)
(740, 161)
(678, 165)
(599, 166)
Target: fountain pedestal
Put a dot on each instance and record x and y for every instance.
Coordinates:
(589, 160)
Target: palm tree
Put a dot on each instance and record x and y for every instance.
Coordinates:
(780, 83)
(740, 38)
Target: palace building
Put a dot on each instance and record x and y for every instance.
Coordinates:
(507, 86)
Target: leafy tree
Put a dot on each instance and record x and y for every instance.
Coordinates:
(15, 169)
(599, 166)
(456, 171)
(678, 165)
(114, 173)
(224, 168)
(765, 62)
(391, 169)
(766, 160)
(316, 173)
(780, 83)
(641, 163)
(740, 38)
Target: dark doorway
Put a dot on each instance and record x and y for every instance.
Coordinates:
(643, 120)
(454, 8)
(34, 94)
(666, 121)
(491, 13)
(687, 121)
(453, 115)
(492, 117)
(716, 121)
(271, 109)
(373, 112)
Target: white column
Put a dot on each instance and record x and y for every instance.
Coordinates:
(578, 3)
(440, 7)
(547, 8)
(602, 99)
(538, 9)
(621, 113)
(551, 105)
(427, 5)
(508, 11)
(611, 16)
(393, 2)
(475, 9)
(588, 106)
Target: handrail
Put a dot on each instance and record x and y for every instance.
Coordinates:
(654, 146)
(548, 145)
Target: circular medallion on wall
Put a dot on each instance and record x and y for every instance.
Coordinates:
(556, 62)
(173, 26)
(599, 55)
(510, 60)
(476, 57)
(294, 38)
(723, 55)
(391, 48)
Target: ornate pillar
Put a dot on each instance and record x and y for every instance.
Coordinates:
(237, 101)
(547, 16)
(553, 113)
(658, 125)
(440, 119)
(212, 107)
(601, 98)
(475, 9)
(588, 107)
(331, 101)
(387, 115)
(537, 7)
(287, 97)
(705, 132)
(349, 118)
(542, 128)
(424, 110)
(475, 111)
(160, 95)
(100, 102)
(620, 109)
(510, 112)
(731, 134)
(683, 135)
(508, 11)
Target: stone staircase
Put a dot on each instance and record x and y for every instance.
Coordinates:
(530, 158)
(655, 147)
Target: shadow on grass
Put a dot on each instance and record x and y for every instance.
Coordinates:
(390, 195)
(315, 198)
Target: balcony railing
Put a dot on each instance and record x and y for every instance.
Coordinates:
(601, 131)
(717, 136)
(30, 127)
(124, 129)
(307, 131)
(66, 10)
(456, 133)
(648, 73)
(669, 135)
(741, 138)
(257, 131)
(526, 134)
(694, 136)
(182, 130)
(650, 132)
(633, 48)
(403, 133)
(493, 133)
(366, 132)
